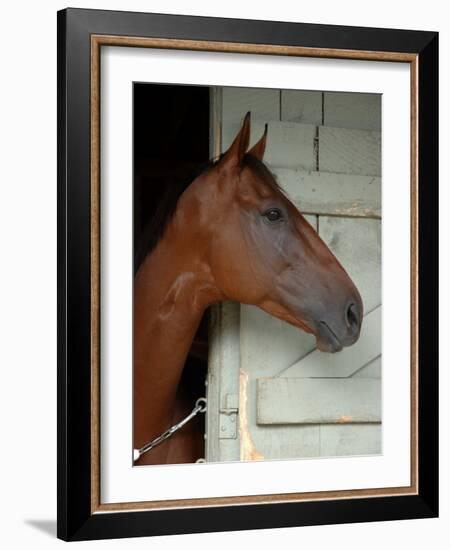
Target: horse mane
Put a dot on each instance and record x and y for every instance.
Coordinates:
(164, 211)
(167, 203)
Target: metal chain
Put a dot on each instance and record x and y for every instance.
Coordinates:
(200, 407)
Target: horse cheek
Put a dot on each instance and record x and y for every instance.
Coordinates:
(231, 270)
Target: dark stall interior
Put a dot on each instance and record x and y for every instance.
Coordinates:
(171, 143)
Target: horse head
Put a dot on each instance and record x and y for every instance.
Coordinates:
(263, 252)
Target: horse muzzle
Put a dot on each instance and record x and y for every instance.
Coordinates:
(336, 331)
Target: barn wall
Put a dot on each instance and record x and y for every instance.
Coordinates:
(325, 150)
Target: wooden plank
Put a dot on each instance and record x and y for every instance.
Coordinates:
(372, 369)
(343, 364)
(223, 378)
(357, 245)
(289, 145)
(350, 439)
(284, 442)
(215, 363)
(318, 401)
(349, 151)
(264, 105)
(332, 194)
(352, 110)
(301, 106)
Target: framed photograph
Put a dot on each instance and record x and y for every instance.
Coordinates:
(247, 257)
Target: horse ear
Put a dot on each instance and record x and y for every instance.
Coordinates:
(258, 149)
(237, 149)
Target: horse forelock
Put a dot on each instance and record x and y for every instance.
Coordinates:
(164, 211)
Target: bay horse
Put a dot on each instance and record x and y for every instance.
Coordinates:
(231, 234)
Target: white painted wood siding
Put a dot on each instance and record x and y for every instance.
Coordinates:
(294, 401)
(349, 151)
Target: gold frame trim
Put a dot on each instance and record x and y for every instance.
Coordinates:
(97, 41)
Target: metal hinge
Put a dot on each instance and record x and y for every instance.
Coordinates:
(228, 417)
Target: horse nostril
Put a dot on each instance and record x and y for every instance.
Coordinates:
(352, 315)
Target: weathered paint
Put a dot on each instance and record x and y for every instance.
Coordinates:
(318, 400)
(347, 110)
(248, 449)
(350, 151)
(301, 106)
(332, 194)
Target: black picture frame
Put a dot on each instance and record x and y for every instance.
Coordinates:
(76, 518)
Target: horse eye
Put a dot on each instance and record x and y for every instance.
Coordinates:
(273, 215)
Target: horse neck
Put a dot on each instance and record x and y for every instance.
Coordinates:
(172, 289)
